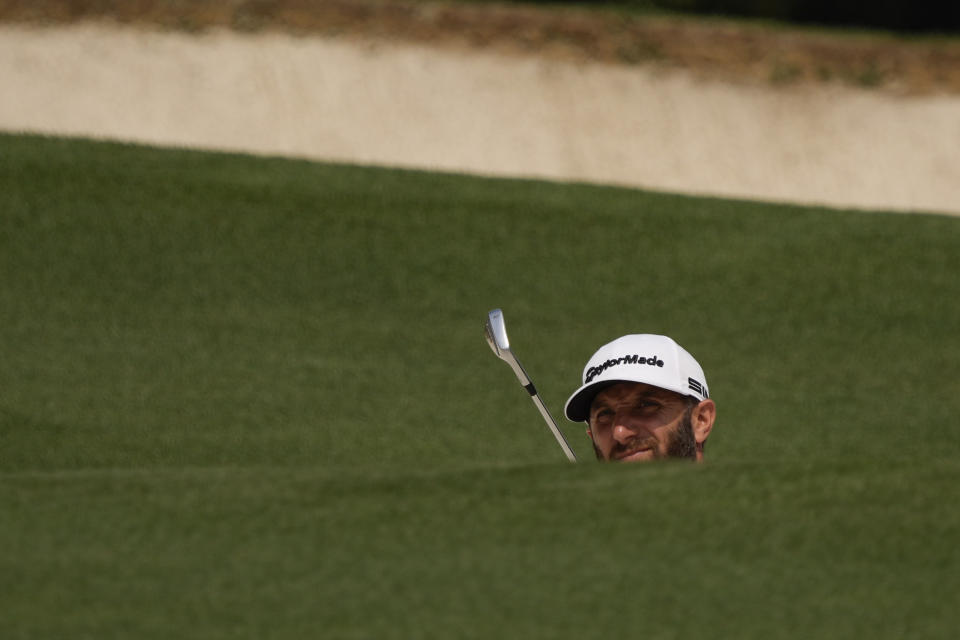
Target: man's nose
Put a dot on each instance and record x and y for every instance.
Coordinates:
(624, 430)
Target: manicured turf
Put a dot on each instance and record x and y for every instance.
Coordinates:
(247, 397)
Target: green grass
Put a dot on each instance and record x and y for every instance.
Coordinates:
(248, 397)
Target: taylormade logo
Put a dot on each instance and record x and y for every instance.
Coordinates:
(593, 372)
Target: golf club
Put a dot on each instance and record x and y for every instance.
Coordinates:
(496, 332)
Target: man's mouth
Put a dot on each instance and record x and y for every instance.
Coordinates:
(643, 450)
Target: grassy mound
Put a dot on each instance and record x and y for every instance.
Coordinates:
(249, 397)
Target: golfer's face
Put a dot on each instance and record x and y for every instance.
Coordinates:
(634, 422)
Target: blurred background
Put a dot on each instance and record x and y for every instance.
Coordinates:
(823, 103)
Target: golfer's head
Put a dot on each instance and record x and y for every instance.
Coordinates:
(644, 397)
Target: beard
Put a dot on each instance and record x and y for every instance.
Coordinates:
(682, 443)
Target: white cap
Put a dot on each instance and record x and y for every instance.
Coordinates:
(650, 359)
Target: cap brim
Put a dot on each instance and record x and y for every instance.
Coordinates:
(577, 408)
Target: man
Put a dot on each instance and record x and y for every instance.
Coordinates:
(644, 397)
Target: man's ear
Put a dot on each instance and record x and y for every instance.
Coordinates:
(702, 418)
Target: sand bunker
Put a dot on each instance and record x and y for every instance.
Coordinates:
(485, 113)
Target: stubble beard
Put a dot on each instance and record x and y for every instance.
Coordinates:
(682, 443)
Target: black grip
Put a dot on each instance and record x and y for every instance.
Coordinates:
(531, 389)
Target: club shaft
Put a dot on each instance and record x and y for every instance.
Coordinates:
(496, 334)
(532, 390)
(553, 427)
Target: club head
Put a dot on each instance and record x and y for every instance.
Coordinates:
(496, 331)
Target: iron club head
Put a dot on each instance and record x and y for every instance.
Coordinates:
(496, 332)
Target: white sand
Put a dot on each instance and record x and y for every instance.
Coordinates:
(412, 106)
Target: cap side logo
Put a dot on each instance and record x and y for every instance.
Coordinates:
(698, 387)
